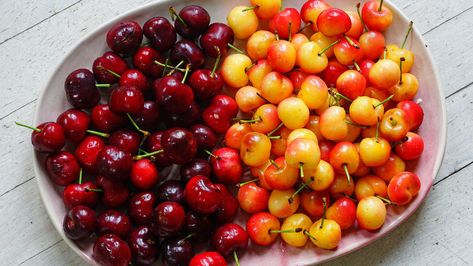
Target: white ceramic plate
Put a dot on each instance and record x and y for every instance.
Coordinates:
(52, 102)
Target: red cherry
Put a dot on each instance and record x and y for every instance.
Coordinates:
(414, 113)
(160, 32)
(143, 245)
(201, 195)
(170, 218)
(253, 198)
(228, 238)
(149, 118)
(141, 207)
(219, 113)
(208, 258)
(286, 22)
(79, 223)
(173, 95)
(144, 60)
(47, 137)
(107, 67)
(114, 162)
(110, 250)
(365, 67)
(134, 78)
(227, 166)
(81, 194)
(205, 84)
(153, 143)
(342, 211)
(114, 222)
(75, 124)
(105, 120)
(126, 139)
(325, 147)
(195, 167)
(144, 174)
(228, 208)
(331, 73)
(125, 37)
(126, 99)
(217, 35)
(87, 150)
(63, 168)
(333, 22)
(411, 147)
(351, 84)
(114, 193)
(179, 145)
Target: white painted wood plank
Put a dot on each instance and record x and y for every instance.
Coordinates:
(19, 15)
(58, 254)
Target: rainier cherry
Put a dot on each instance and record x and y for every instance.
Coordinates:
(333, 22)
(403, 187)
(371, 213)
(243, 21)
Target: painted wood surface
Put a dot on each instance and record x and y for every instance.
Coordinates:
(35, 34)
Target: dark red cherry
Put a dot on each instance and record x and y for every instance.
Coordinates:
(81, 90)
(86, 152)
(126, 99)
(141, 207)
(114, 222)
(144, 174)
(81, 194)
(105, 120)
(143, 246)
(208, 258)
(144, 60)
(114, 193)
(177, 252)
(196, 166)
(153, 143)
(200, 226)
(189, 52)
(134, 78)
(192, 21)
(110, 250)
(217, 35)
(160, 33)
(127, 139)
(108, 68)
(149, 117)
(171, 190)
(218, 115)
(185, 119)
(173, 95)
(228, 208)
(205, 137)
(202, 195)
(228, 238)
(179, 145)
(75, 124)
(114, 162)
(125, 37)
(63, 168)
(170, 218)
(205, 84)
(331, 73)
(79, 223)
(48, 137)
(365, 67)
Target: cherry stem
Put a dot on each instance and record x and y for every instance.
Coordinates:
(235, 48)
(357, 67)
(30, 127)
(187, 237)
(301, 187)
(250, 8)
(328, 47)
(93, 190)
(188, 67)
(401, 61)
(174, 15)
(308, 24)
(101, 134)
(380, 6)
(276, 35)
(80, 176)
(144, 132)
(351, 42)
(103, 85)
(109, 71)
(141, 151)
(274, 164)
(168, 66)
(340, 95)
(411, 24)
(309, 235)
(246, 182)
(385, 200)
(324, 201)
(377, 131)
(146, 155)
(274, 137)
(290, 31)
(250, 121)
(173, 69)
(211, 154)
(301, 170)
(295, 230)
(235, 257)
(249, 67)
(217, 61)
(361, 18)
(276, 129)
(166, 63)
(384, 101)
(385, 52)
(345, 168)
(354, 124)
(261, 96)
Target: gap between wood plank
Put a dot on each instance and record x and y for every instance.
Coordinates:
(24, 105)
(454, 172)
(15, 187)
(52, 245)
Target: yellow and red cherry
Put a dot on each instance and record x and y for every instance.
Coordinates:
(286, 23)
(255, 149)
(302, 153)
(258, 44)
(414, 113)
(260, 227)
(362, 168)
(313, 202)
(393, 125)
(293, 112)
(276, 87)
(395, 53)
(258, 72)
(331, 73)
(411, 147)
(258, 172)
(371, 213)
(365, 67)
(266, 9)
(343, 212)
(310, 12)
(247, 99)
(332, 123)
(293, 227)
(297, 76)
(376, 15)
(333, 22)
(406, 89)
(356, 25)
(372, 43)
(324, 42)
(281, 176)
(298, 40)
(384, 74)
(403, 187)
(340, 187)
(366, 111)
(243, 21)
(314, 126)
(283, 203)
(352, 84)
(325, 233)
(234, 69)
(303, 133)
(282, 56)
(319, 178)
(311, 58)
(252, 198)
(348, 51)
(392, 167)
(235, 134)
(313, 92)
(374, 151)
(354, 130)
(370, 185)
(265, 119)
(345, 159)
(278, 145)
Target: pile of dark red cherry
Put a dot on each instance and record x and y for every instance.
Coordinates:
(163, 109)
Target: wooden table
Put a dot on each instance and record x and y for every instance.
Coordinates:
(34, 35)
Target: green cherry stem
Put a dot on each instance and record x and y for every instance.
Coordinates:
(401, 61)
(380, 6)
(175, 68)
(168, 66)
(101, 134)
(383, 101)
(146, 155)
(357, 67)
(235, 257)
(251, 121)
(411, 24)
(109, 71)
(144, 132)
(385, 52)
(80, 176)
(354, 124)
(324, 201)
(377, 131)
(103, 85)
(29, 127)
(276, 129)
(261, 96)
(174, 15)
(289, 31)
(345, 168)
(93, 190)
(335, 93)
(166, 63)
(351, 42)
(301, 187)
(211, 154)
(308, 24)
(385, 200)
(295, 230)
(301, 170)
(274, 137)
(235, 48)
(246, 182)
(217, 61)
(274, 164)
(188, 68)
(250, 8)
(309, 235)
(328, 47)
(361, 18)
